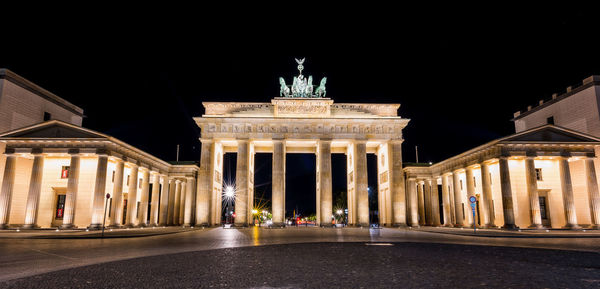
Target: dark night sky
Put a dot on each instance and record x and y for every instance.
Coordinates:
(459, 74)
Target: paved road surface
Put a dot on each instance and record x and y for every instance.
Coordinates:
(27, 257)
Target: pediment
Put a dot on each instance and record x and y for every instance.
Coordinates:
(550, 133)
(53, 129)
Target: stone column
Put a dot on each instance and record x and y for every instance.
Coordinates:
(362, 186)
(241, 184)
(326, 205)
(155, 200)
(446, 201)
(414, 202)
(205, 183)
(535, 216)
(435, 203)
(397, 186)
(144, 198)
(163, 214)
(7, 188)
(278, 183)
(173, 188)
(427, 202)
(182, 196)
(71, 196)
(470, 193)
(507, 197)
(458, 201)
(488, 204)
(116, 211)
(131, 217)
(35, 186)
(421, 203)
(567, 192)
(189, 200)
(99, 192)
(594, 196)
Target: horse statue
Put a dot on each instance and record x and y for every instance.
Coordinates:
(284, 90)
(320, 92)
(309, 87)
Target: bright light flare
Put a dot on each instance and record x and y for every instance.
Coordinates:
(229, 191)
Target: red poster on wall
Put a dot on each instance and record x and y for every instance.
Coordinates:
(64, 173)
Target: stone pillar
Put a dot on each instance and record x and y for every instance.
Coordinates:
(488, 204)
(567, 192)
(414, 202)
(189, 200)
(71, 196)
(99, 192)
(144, 198)
(7, 188)
(163, 212)
(362, 185)
(182, 196)
(435, 203)
(446, 201)
(241, 184)
(173, 188)
(116, 211)
(594, 196)
(326, 205)
(427, 202)
(278, 183)
(131, 216)
(507, 197)
(470, 193)
(351, 171)
(535, 216)
(205, 183)
(397, 186)
(421, 203)
(155, 200)
(35, 185)
(458, 201)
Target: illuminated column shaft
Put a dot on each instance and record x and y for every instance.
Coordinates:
(507, 198)
(241, 184)
(486, 183)
(435, 203)
(116, 211)
(167, 184)
(427, 202)
(171, 200)
(414, 202)
(7, 189)
(99, 192)
(132, 197)
(594, 196)
(144, 198)
(421, 202)
(205, 183)
(71, 196)
(155, 199)
(470, 193)
(189, 200)
(326, 205)
(446, 202)
(567, 190)
(458, 203)
(397, 185)
(35, 185)
(182, 196)
(535, 216)
(362, 192)
(278, 183)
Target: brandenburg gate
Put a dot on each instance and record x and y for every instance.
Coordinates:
(302, 120)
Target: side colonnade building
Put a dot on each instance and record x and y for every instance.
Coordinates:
(58, 174)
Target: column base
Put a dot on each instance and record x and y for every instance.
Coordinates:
(240, 225)
(277, 225)
(510, 227)
(572, 227)
(399, 225)
(94, 227)
(536, 226)
(490, 226)
(30, 226)
(67, 226)
(130, 226)
(459, 226)
(115, 226)
(363, 225)
(143, 225)
(326, 225)
(3, 226)
(594, 227)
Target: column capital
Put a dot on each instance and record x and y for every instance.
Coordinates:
(73, 152)
(396, 141)
(360, 141)
(9, 152)
(206, 140)
(242, 140)
(37, 151)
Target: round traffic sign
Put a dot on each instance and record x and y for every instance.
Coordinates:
(472, 199)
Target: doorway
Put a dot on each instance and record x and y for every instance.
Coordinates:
(60, 196)
(544, 208)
